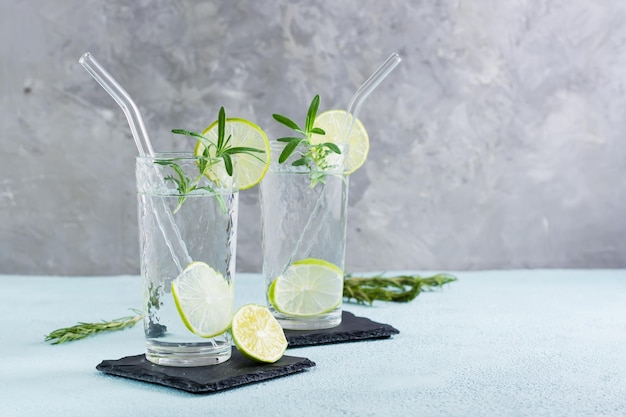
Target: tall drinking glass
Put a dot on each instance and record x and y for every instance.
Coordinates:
(304, 239)
(205, 220)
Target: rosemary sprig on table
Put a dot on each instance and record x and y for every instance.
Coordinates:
(401, 288)
(362, 290)
(83, 330)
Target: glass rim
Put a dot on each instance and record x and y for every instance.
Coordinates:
(150, 173)
(172, 155)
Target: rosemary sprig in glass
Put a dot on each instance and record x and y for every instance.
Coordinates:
(314, 156)
(212, 154)
(362, 290)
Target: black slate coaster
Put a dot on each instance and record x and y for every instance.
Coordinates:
(351, 329)
(237, 371)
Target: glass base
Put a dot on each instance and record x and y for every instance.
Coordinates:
(323, 321)
(187, 354)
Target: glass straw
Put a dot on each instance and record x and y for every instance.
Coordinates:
(357, 100)
(163, 215)
(121, 97)
(354, 106)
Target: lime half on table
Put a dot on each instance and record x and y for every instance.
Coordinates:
(257, 334)
(307, 288)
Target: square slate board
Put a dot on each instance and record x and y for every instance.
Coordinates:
(351, 329)
(237, 371)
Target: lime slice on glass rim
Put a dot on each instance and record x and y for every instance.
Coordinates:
(204, 299)
(248, 170)
(257, 334)
(307, 288)
(358, 142)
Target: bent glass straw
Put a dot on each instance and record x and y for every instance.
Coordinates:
(357, 100)
(163, 215)
(354, 106)
(123, 99)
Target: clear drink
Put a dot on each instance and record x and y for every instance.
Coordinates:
(206, 223)
(302, 223)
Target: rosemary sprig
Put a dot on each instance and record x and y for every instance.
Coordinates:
(401, 288)
(314, 156)
(211, 155)
(83, 330)
(220, 150)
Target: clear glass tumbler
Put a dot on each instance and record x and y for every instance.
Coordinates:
(302, 224)
(177, 227)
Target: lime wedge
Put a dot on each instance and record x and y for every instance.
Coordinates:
(257, 334)
(358, 142)
(204, 299)
(307, 288)
(248, 170)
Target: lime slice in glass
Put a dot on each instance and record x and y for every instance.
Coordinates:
(257, 334)
(204, 299)
(307, 288)
(358, 141)
(248, 170)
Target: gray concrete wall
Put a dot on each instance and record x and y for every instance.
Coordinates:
(497, 143)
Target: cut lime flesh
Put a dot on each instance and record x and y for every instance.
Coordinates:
(332, 122)
(307, 288)
(257, 334)
(204, 300)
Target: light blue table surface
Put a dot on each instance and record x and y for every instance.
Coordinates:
(495, 343)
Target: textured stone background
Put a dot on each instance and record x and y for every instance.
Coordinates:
(497, 143)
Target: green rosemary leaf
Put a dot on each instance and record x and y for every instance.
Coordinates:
(221, 126)
(202, 161)
(318, 131)
(290, 147)
(286, 121)
(187, 133)
(311, 114)
(228, 164)
(288, 139)
(242, 149)
(332, 147)
(183, 179)
(205, 141)
(299, 162)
